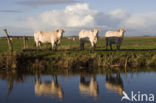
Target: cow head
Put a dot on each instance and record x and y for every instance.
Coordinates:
(60, 32)
(122, 30)
(95, 33)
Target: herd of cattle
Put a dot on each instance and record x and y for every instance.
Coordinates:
(54, 37)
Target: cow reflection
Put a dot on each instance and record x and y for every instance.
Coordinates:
(114, 83)
(52, 88)
(89, 87)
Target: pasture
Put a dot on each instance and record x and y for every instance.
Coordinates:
(68, 44)
(135, 52)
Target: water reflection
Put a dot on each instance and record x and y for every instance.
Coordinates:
(11, 77)
(52, 88)
(114, 83)
(89, 87)
(72, 88)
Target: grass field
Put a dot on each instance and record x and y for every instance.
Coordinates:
(66, 44)
(135, 52)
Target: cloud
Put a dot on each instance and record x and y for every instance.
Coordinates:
(110, 19)
(44, 2)
(78, 15)
(141, 23)
(11, 11)
(81, 16)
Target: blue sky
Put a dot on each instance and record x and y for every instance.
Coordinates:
(23, 17)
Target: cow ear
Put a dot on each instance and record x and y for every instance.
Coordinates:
(118, 30)
(99, 30)
(92, 30)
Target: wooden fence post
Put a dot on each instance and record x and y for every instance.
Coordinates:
(25, 42)
(9, 41)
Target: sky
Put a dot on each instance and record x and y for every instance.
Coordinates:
(24, 17)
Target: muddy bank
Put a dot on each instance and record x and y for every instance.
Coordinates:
(39, 61)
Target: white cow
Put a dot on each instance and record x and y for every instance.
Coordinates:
(52, 88)
(88, 36)
(48, 37)
(114, 37)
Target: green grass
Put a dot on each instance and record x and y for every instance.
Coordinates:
(128, 43)
(66, 44)
(132, 55)
(139, 43)
(17, 45)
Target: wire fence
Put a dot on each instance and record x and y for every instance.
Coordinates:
(15, 43)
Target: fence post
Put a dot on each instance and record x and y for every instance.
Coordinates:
(9, 41)
(25, 42)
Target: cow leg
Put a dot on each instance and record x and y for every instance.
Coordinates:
(106, 45)
(55, 46)
(52, 44)
(81, 45)
(37, 44)
(110, 44)
(94, 46)
(118, 46)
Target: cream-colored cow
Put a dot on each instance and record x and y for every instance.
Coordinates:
(88, 36)
(48, 37)
(114, 37)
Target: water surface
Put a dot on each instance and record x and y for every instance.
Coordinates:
(77, 88)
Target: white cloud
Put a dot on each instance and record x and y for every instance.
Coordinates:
(80, 15)
(78, 6)
(141, 21)
(141, 24)
(73, 16)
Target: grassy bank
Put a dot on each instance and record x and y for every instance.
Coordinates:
(39, 61)
(135, 52)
